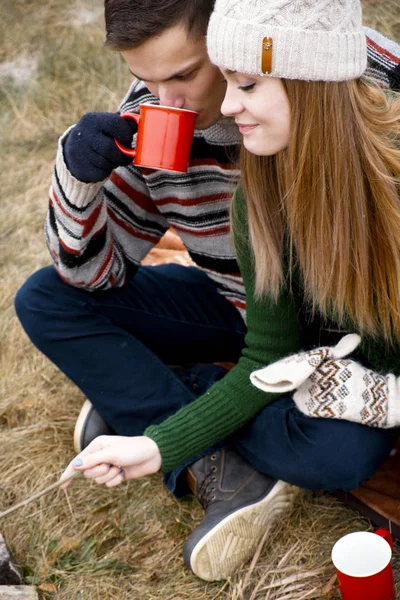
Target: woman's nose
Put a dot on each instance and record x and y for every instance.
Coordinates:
(231, 105)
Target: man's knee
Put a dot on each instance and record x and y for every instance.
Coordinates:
(337, 454)
(32, 299)
(350, 456)
(316, 454)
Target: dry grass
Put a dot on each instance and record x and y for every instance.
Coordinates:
(92, 543)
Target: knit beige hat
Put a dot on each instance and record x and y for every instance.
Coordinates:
(315, 40)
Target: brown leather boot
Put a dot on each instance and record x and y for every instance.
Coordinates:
(240, 505)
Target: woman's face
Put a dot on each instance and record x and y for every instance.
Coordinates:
(261, 110)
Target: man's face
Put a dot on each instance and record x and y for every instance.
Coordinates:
(176, 69)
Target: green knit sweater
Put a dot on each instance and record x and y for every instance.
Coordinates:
(274, 330)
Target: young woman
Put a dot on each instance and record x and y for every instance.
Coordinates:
(317, 231)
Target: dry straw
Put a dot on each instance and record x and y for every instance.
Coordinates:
(38, 495)
(91, 542)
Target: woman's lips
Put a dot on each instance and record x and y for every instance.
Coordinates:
(243, 128)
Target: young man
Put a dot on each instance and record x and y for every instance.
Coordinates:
(116, 328)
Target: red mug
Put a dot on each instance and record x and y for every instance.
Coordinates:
(164, 137)
(363, 565)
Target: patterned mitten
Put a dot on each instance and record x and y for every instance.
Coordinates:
(289, 373)
(340, 388)
(344, 389)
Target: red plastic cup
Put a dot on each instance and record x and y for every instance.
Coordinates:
(164, 137)
(363, 565)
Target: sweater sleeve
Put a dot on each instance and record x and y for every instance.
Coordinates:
(97, 233)
(273, 332)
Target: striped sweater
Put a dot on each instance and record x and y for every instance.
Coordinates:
(383, 59)
(98, 233)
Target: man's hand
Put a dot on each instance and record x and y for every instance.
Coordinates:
(110, 459)
(90, 152)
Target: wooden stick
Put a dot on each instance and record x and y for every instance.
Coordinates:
(38, 495)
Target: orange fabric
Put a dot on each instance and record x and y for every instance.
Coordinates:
(170, 249)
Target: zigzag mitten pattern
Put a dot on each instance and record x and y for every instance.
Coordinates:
(344, 389)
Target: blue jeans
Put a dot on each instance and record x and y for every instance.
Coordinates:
(115, 346)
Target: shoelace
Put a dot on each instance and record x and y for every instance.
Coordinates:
(205, 490)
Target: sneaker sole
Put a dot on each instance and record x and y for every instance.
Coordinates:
(221, 552)
(79, 425)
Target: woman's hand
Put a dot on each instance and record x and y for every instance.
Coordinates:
(110, 459)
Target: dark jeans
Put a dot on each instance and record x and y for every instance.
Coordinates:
(115, 346)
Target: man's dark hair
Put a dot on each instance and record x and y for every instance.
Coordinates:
(129, 23)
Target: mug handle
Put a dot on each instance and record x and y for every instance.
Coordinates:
(124, 149)
(386, 535)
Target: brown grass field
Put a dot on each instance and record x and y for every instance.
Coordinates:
(91, 543)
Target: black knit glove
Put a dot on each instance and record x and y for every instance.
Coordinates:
(90, 152)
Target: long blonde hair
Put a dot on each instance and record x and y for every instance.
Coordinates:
(334, 192)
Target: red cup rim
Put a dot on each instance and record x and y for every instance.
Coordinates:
(159, 168)
(344, 571)
(155, 105)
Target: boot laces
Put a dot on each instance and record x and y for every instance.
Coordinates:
(205, 491)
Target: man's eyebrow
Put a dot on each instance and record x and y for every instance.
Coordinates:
(173, 76)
